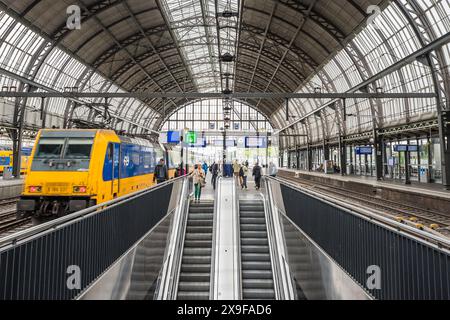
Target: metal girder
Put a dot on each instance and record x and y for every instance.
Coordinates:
(263, 42)
(393, 68)
(212, 95)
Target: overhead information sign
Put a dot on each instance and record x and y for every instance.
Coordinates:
(201, 143)
(229, 143)
(255, 142)
(191, 137)
(363, 150)
(405, 148)
(173, 137)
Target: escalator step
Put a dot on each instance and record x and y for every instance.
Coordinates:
(254, 234)
(196, 259)
(245, 220)
(257, 274)
(195, 276)
(252, 214)
(197, 251)
(191, 286)
(257, 283)
(253, 227)
(198, 236)
(188, 295)
(254, 249)
(195, 267)
(254, 241)
(255, 257)
(256, 265)
(199, 222)
(251, 294)
(199, 229)
(200, 216)
(198, 244)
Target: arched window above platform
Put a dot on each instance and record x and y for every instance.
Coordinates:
(209, 115)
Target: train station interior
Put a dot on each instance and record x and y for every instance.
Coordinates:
(225, 150)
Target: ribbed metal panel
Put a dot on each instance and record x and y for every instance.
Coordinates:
(37, 268)
(410, 268)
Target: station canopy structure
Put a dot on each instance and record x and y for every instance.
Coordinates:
(207, 46)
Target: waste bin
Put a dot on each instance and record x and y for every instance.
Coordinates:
(7, 173)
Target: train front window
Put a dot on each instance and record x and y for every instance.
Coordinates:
(78, 148)
(49, 148)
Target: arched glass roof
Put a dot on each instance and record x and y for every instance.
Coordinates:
(275, 46)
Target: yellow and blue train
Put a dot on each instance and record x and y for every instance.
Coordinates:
(6, 159)
(70, 170)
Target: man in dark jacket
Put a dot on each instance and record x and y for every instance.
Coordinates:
(257, 174)
(214, 169)
(161, 173)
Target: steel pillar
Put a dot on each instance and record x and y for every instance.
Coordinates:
(378, 146)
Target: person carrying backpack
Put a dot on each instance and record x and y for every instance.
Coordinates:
(214, 169)
(205, 168)
(161, 174)
(257, 174)
(244, 170)
(199, 181)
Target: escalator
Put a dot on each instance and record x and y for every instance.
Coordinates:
(256, 267)
(195, 275)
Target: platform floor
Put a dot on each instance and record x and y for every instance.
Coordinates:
(10, 188)
(431, 189)
(13, 182)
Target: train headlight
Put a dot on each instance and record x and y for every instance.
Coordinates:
(79, 189)
(35, 189)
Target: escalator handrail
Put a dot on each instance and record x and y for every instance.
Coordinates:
(212, 277)
(176, 251)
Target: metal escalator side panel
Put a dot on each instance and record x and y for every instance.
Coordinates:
(170, 274)
(284, 284)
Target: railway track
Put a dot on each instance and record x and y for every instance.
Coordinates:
(8, 222)
(431, 221)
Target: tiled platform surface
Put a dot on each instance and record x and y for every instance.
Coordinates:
(10, 188)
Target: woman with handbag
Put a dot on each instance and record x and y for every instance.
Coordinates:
(199, 181)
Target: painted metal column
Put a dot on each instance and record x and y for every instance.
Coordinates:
(309, 158)
(378, 144)
(444, 135)
(430, 160)
(343, 155)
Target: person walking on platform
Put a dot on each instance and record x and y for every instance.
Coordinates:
(244, 176)
(161, 174)
(199, 181)
(273, 169)
(205, 168)
(236, 169)
(257, 174)
(214, 169)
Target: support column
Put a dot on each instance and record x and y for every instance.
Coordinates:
(430, 160)
(43, 112)
(224, 150)
(343, 155)
(309, 158)
(326, 151)
(378, 155)
(444, 135)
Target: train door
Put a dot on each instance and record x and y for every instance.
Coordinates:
(115, 182)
